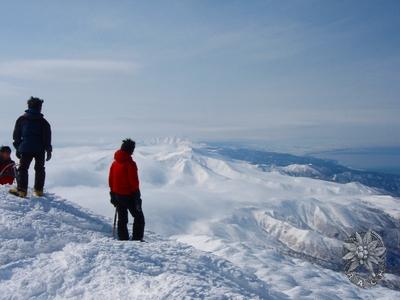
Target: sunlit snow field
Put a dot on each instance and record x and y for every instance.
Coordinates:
(288, 231)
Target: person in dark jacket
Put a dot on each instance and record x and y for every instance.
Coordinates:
(7, 166)
(32, 140)
(125, 192)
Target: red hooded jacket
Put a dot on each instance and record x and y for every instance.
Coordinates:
(123, 179)
(7, 173)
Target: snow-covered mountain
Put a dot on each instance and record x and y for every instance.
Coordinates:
(52, 249)
(308, 166)
(280, 231)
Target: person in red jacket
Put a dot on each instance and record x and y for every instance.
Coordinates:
(7, 166)
(125, 191)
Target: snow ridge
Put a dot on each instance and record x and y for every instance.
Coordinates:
(52, 249)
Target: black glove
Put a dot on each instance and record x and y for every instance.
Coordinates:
(137, 195)
(48, 155)
(18, 155)
(113, 199)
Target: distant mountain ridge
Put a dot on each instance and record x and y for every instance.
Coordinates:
(317, 168)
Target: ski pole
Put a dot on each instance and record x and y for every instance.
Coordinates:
(115, 222)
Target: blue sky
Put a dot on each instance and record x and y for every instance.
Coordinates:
(286, 73)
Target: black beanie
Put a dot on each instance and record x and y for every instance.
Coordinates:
(128, 146)
(5, 149)
(35, 103)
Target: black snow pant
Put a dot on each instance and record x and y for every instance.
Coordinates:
(133, 204)
(40, 173)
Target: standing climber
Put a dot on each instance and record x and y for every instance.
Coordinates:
(7, 166)
(125, 192)
(32, 140)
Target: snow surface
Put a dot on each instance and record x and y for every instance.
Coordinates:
(283, 233)
(51, 249)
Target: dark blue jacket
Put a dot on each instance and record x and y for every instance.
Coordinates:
(32, 133)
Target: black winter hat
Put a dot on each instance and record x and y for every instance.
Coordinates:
(5, 149)
(128, 146)
(35, 103)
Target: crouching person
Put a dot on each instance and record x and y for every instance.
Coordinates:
(125, 192)
(7, 166)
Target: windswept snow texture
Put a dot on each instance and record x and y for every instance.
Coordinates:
(51, 249)
(285, 230)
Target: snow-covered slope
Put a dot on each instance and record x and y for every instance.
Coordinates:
(287, 231)
(51, 249)
(308, 166)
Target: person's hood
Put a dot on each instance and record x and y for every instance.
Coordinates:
(33, 114)
(122, 156)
